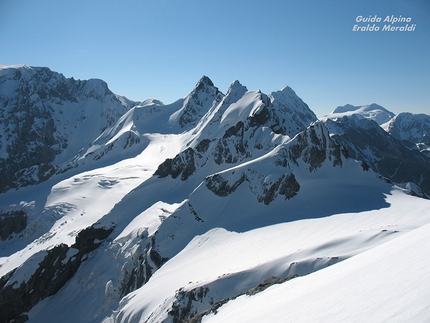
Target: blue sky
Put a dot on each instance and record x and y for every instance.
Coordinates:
(160, 49)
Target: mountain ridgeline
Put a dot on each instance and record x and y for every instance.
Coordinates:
(100, 195)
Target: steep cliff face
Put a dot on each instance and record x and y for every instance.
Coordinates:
(13, 221)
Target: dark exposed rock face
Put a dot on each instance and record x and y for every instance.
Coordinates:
(286, 185)
(201, 99)
(32, 150)
(221, 187)
(182, 164)
(233, 137)
(366, 141)
(58, 265)
(157, 258)
(12, 222)
(184, 309)
(310, 149)
(203, 146)
(314, 146)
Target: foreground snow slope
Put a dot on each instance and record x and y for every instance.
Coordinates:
(388, 283)
(221, 264)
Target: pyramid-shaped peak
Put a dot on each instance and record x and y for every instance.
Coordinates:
(236, 86)
(235, 83)
(204, 81)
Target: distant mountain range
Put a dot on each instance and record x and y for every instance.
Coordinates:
(121, 211)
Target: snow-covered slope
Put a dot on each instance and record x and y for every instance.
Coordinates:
(162, 213)
(385, 284)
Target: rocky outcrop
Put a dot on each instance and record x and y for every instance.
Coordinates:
(184, 308)
(182, 164)
(310, 149)
(285, 185)
(222, 187)
(204, 96)
(57, 265)
(232, 147)
(314, 146)
(12, 222)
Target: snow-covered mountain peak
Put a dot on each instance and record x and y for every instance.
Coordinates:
(204, 81)
(409, 126)
(346, 108)
(288, 89)
(236, 86)
(204, 97)
(48, 119)
(150, 102)
(13, 69)
(372, 111)
(411, 129)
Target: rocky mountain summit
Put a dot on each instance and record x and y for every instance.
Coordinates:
(411, 129)
(45, 120)
(120, 211)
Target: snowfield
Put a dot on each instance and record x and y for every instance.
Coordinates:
(387, 283)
